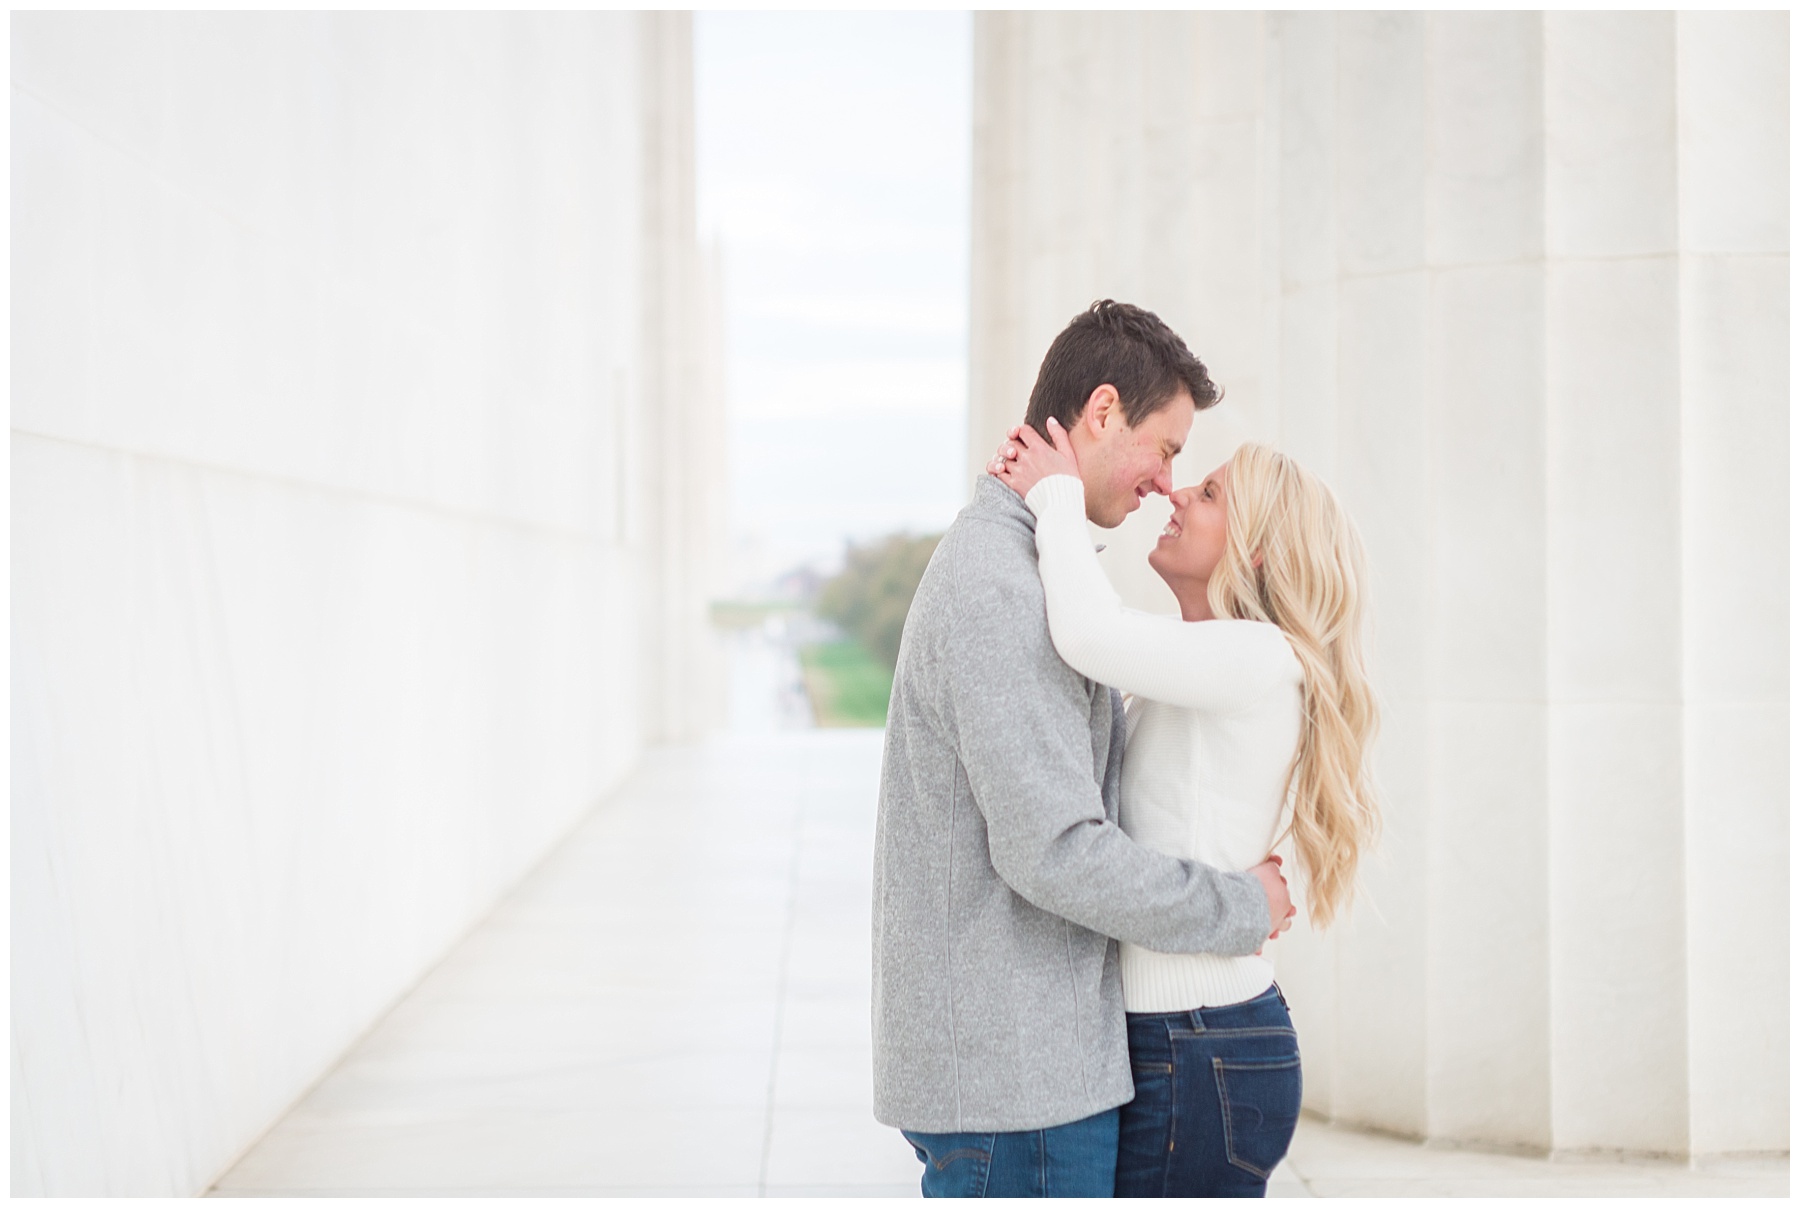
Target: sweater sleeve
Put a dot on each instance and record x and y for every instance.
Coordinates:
(1216, 666)
(1021, 719)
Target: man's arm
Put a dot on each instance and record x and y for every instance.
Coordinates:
(1021, 718)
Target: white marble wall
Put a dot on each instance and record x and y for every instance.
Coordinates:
(1732, 112)
(1517, 285)
(339, 438)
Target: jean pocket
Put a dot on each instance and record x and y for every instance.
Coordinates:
(1259, 1099)
(956, 1164)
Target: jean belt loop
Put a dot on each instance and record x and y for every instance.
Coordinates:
(1197, 1019)
(1175, 1023)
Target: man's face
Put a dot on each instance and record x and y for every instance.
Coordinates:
(1122, 464)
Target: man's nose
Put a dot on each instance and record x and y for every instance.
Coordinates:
(1165, 479)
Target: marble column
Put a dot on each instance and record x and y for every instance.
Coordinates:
(681, 413)
(335, 528)
(1731, 117)
(1619, 1045)
(1515, 283)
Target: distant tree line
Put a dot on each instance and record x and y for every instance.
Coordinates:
(868, 599)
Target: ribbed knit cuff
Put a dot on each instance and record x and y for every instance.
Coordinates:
(1058, 488)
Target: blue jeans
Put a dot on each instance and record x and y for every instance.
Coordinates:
(1218, 1098)
(1069, 1161)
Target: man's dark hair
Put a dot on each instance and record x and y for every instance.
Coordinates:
(1117, 344)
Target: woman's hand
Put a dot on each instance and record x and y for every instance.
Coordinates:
(1025, 459)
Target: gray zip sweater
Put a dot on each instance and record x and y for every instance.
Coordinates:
(1000, 871)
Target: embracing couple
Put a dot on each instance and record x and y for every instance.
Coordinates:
(1072, 892)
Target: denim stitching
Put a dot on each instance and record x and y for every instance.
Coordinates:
(1220, 1065)
(1175, 1098)
(1231, 1032)
(956, 1155)
(1225, 1118)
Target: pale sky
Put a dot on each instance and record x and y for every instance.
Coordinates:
(833, 163)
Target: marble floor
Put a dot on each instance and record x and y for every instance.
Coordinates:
(676, 1003)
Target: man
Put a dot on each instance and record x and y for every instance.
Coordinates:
(1001, 877)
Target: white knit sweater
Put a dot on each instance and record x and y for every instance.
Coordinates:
(1212, 728)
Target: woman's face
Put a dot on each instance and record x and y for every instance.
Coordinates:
(1194, 540)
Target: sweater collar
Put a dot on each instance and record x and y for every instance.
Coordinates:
(996, 502)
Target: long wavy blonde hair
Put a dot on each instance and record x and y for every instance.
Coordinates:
(1292, 558)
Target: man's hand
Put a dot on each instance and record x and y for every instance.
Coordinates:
(1275, 888)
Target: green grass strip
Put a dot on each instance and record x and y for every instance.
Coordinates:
(846, 685)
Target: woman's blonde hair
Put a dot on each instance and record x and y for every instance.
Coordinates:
(1292, 558)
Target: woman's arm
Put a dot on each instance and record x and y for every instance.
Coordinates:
(1219, 666)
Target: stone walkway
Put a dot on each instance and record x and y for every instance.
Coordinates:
(676, 1003)
(1329, 1161)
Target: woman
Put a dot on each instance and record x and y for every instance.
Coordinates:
(1249, 721)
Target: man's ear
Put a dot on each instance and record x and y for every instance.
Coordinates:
(1101, 404)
